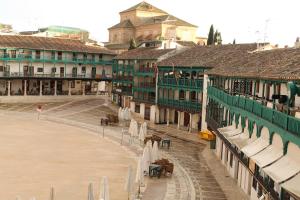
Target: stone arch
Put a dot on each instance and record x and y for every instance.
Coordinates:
(277, 140)
(293, 150)
(265, 133)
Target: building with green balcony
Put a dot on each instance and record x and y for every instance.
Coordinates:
(134, 80)
(31, 65)
(253, 107)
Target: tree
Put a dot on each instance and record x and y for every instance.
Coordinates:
(210, 39)
(132, 44)
(219, 38)
(216, 37)
(233, 41)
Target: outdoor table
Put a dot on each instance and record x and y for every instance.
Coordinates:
(154, 170)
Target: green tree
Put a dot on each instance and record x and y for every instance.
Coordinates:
(210, 39)
(216, 37)
(219, 38)
(132, 44)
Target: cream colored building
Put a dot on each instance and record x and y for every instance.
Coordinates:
(144, 22)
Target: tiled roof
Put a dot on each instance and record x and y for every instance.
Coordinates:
(241, 60)
(143, 53)
(208, 56)
(164, 19)
(187, 43)
(47, 43)
(144, 6)
(281, 64)
(117, 46)
(123, 24)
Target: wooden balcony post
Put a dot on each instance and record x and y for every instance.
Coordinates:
(25, 87)
(55, 88)
(41, 87)
(8, 88)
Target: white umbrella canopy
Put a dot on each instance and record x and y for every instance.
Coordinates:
(104, 190)
(142, 134)
(145, 128)
(139, 178)
(154, 152)
(146, 159)
(90, 192)
(135, 129)
(126, 115)
(129, 181)
(131, 126)
(120, 113)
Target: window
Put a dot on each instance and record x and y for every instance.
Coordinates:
(85, 56)
(13, 53)
(59, 55)
(72, 84)
(100, 56)
(1, 68)
(53, 55)
(74, 56)
(37, 54)
(83, 69)
(53, 70)
(257, 87)
(93, 57)
(40, 69)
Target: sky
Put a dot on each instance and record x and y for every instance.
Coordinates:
(275, 21)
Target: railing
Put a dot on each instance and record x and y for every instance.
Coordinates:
(122, 90)
(117, 78)
(144, 89)
(190, 106)
(54, 75)
(30, 58)
(183, 83)
(282, 120)
(144, 99)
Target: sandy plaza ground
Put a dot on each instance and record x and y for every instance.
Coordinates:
(36, 155)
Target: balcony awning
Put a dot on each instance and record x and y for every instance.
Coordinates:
(283, 169)
(255, 147)
(229, 131)
(240, 140)
(267, 156)
(292, 185)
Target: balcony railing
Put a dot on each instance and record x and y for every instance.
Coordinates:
(54, 75)
(145, 71)
(150, 100)
(190, 106)
(118, 78)
(30, 58)
(282, 120)
(181, 83)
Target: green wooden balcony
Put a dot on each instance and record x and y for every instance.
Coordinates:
(280, 119)
(122, 68)
(144, 99)
(183, 105)
(58, 59)
(122, 79)
(145, 71)
(185, 84)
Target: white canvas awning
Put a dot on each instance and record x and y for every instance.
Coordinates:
(282, 169)
(267, 156)
(292, 185)
(229, 131)
(226, 128)
(255, 147)
(240, 140)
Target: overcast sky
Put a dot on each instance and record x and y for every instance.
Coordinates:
(275, 21)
